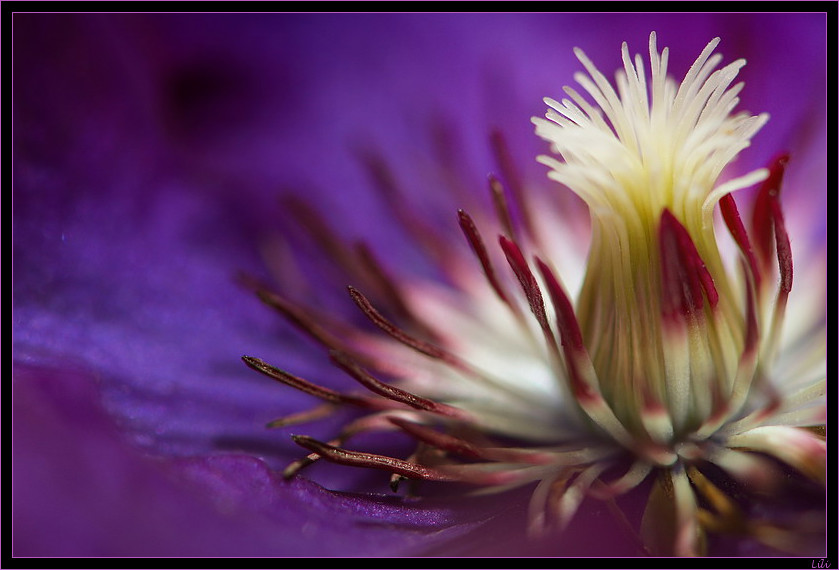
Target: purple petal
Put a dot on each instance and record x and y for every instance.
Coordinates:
(81, 491)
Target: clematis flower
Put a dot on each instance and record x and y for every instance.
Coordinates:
(663, 367)
(149, 154)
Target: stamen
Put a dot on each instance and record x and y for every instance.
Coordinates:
(584, 383)
(725, 507)
(768, 219)
(361, 459)
(772, 405)
(320, 326)
(749, 468)
(380, 321)
(687, 532)
(348, 365)
(502, 208)
(684, 277)
(633, 477)
(439, 440)
(762, 215)
(304, 385)
(472, 450)
(683, 273)
(530, 287)
(549, 487)
(731, 216)
(582, 376)
(569, 328)
(315, 413)
(423, 234)
(429, 349)
(374, 422)
(744, 377)
(311, 325)
(497, 476)
(682, 377)
(655, 417)
(389, 290)
(316, 226)
(572, 497)
(784, 252)
(295, 467)
(511, 176)
(477, 245)
(793, 446)
(783, 249)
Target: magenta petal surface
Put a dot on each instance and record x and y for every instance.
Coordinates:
(78, 483)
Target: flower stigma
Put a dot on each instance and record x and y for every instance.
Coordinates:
(660, 357)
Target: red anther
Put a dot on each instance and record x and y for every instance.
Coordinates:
(303, 385)
(511, 177)
(385, 182)
(351, 367)
(318, 412)
(683, 273)
(738, 231)
(569, 328)
(470, 449)
(437, 439)
(477, 245)
(299, 318)
(318, 229)
(782, 247)
(752, 333)
(528, 282)
(389, 290)
(360, 459)
(762, 215)
(406, 339)
(571, 337)
(380, 321)
(502, 209)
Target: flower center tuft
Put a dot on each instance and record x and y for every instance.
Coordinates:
(660, 317)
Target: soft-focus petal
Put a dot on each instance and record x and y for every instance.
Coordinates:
(78, 484)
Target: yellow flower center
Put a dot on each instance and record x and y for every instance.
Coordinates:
(663, 321)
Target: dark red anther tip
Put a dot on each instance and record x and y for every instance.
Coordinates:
(394, 331)
(511, 176)
(684, 276)
(734, 223)
(762, 216)
(571, 336)
(768, 224)
(752, 333)
(530, 286)
(473, 236)
(510, 248)
(783, 248)
(569, 327)
(528, 282)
